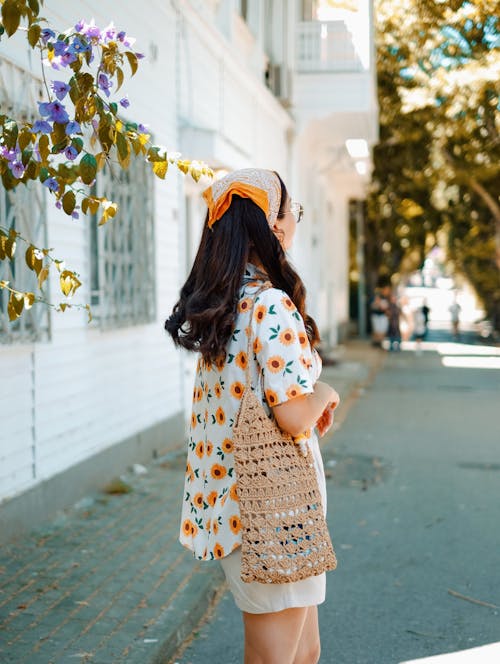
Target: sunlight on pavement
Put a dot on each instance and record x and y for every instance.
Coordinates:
(489, 654)
(457, 355)
(466, 349)
(471, 363)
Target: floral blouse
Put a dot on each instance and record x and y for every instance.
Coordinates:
(285, 368)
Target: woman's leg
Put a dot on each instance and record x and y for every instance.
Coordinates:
(309, 647)
(273, 638)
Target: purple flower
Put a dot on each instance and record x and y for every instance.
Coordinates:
(17, 169)
(71, 153)
(124, 102)
(91, 30)
(51, 184)
(104, 83)
(55, 111)
(140, 56)
(109, 32)
(78, 46)
(75, 214)
(73, 128)
(66, 59)
(60, 88)
(59, 205)
(60, 47)
(121, 35)
(47, 34)
(7, 153)
(79, 25)
(41, 127)
(142, 129)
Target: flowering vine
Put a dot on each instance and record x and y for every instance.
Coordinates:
(79, 130)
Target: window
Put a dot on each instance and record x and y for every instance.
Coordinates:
(122, 252)
(243, 9)
(23, 209)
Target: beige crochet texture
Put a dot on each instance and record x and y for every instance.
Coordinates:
(284, 533)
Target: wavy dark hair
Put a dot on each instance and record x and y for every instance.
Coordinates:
(203, 318)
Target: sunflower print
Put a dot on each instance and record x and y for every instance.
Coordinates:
(282, 364)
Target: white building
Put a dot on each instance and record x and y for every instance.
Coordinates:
(280, 84)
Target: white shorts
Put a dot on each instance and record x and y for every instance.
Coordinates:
(270, 597)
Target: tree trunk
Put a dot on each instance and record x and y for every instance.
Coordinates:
(493, 207)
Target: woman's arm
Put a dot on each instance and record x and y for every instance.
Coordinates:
(302, 412)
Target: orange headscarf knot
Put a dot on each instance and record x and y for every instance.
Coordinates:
(259, 185)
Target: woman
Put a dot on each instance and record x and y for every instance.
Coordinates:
(250, 224)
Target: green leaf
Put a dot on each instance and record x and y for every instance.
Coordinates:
(8, 180)
(43, 147)
(132, 60)
(33, 261)
(29, 300)
(119, 77)
(77, 143)
(105, 134)
(15, 306)
(9, 244)
(88, 168)
(68, 282)
(123, 148)
(44, 273)
(10, 133)
(3, 240)
(34, 6)
(11, 16)
(34, 34)
(109, 212)
(155, 153)
(160, 168)
(90, 204)
(69, 202)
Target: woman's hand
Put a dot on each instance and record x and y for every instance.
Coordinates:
(325, 421)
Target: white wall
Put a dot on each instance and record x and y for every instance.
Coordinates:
(87, 389)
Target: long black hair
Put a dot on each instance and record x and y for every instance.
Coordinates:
(203, 318)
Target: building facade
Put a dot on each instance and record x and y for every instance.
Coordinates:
(281, 84)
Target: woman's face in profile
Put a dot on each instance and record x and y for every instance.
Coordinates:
(285, 227)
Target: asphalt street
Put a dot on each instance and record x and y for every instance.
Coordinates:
(413, 508)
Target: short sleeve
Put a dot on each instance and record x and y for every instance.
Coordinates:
(281, 346)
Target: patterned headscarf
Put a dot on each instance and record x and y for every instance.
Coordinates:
(261, 186)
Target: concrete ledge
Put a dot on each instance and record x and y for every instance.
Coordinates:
(22, 513)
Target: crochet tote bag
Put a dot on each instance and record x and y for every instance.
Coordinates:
(284, 533)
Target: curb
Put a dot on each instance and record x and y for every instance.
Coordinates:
(195, 595)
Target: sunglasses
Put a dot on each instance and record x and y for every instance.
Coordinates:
(297, 210)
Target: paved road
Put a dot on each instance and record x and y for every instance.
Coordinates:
(414, 495)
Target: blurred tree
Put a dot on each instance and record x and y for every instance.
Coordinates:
(437, 164)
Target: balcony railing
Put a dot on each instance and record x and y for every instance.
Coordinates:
(326, 46)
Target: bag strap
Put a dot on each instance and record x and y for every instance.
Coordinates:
(265, 286)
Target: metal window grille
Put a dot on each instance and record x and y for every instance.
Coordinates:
(23, 209)
(122, 261)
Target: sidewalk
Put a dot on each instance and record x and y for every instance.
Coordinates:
(107, 581)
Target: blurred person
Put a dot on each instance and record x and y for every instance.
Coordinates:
(419, 329)
(455, 310)
(426, 311)
(394, 315)
(406, 320)
(378, 315)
